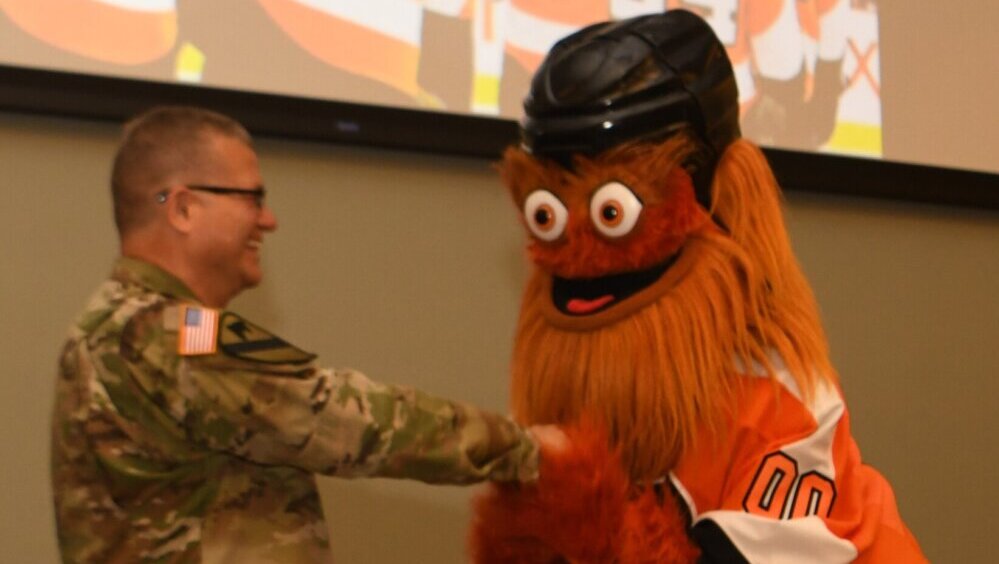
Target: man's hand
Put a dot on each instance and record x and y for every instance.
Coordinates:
(550, 438)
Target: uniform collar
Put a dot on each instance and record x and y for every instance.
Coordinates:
(134, 271)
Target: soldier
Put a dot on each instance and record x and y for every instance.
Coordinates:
(185, 433)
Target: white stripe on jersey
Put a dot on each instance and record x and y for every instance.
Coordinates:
(401, 19)
(623, 9)
(833, 27)
(142, 5)
(813, 452)
(489, 42)
(777, 51)
(687, 499)
(810, 52)
(762, 539)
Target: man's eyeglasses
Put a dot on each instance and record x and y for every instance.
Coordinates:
(258, 194)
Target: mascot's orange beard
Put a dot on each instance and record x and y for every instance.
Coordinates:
(660, 377)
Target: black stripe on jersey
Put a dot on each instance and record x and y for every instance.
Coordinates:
(716, 548)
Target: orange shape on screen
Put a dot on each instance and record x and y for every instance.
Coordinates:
(348, 45)
(99, 30)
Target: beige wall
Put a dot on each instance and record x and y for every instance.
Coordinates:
(409, 266)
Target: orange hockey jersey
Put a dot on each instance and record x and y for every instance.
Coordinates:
(786, 484)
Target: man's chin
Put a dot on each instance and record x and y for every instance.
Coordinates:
(252, 278)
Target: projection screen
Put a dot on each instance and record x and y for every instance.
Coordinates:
(449, 75)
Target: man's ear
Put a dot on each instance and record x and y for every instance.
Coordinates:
(180, 208)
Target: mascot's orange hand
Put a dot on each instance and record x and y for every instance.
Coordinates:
(582, 509)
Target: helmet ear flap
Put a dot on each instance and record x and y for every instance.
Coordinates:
(700, 165)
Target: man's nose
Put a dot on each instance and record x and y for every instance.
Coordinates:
(267, 220)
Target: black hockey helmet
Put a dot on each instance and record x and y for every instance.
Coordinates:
(643, 78)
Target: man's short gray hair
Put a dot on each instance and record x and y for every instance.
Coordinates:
(157, 147)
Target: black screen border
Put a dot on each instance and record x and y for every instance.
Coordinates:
(114, 99)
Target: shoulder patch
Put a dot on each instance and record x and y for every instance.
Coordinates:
(197, 330)
(238, 338)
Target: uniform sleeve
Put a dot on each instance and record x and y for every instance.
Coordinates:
(324, 420)
(787, 485)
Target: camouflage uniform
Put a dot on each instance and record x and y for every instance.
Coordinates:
(163, 457)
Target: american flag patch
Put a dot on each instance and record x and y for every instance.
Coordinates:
(198, 329)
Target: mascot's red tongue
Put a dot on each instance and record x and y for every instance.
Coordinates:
(580, 306)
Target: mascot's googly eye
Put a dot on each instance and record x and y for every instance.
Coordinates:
(614, 209)
(546, 215)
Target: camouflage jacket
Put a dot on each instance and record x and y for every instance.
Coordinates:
(161, 456)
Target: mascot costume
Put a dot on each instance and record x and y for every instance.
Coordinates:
(668, 328)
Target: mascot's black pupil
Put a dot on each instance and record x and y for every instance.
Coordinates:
(610, 213)
(542, 217)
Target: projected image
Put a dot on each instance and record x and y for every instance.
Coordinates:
(123, 32)
(808, 70)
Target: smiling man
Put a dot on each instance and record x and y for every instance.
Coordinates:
(185, 433)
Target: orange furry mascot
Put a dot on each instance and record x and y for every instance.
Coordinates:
(669, 329)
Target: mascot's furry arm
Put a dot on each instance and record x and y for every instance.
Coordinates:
(583, 509)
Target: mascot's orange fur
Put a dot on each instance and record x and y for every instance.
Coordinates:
(653, 370)
(647, 303)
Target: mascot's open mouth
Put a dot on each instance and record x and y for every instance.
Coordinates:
(586, 296)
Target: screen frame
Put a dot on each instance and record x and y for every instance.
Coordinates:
(106, 98)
